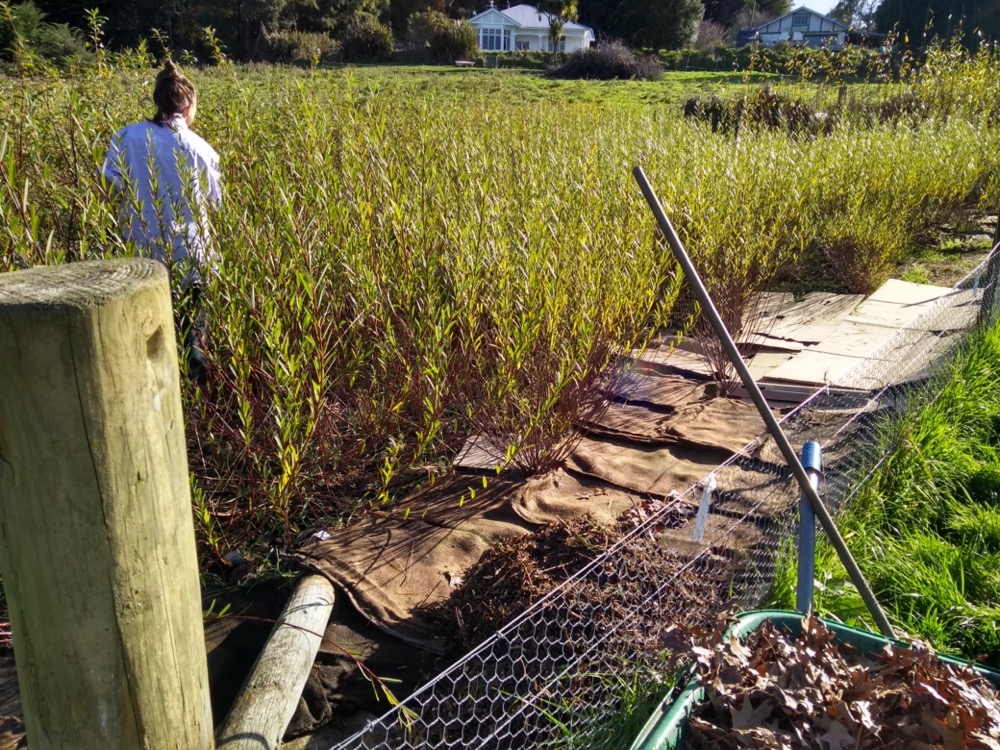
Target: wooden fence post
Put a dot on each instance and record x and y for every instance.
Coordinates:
(97, 545)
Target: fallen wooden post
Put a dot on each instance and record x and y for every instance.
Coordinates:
(97, 543)
(268, 698)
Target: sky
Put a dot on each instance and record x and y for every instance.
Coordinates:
(820, 6)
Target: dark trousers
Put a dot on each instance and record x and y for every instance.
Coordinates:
(192, 331)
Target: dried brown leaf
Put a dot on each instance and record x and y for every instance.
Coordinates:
(837, 737)
(746, 716)
(777, 692)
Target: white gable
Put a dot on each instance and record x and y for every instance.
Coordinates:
(802, 18)
(492, 17)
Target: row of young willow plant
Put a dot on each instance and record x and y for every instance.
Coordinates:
(401, 269)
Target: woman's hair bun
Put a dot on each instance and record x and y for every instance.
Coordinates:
(173, 93)
(170, 69)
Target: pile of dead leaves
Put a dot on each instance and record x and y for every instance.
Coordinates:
(517, 572)
(512, 575)
(775, 691)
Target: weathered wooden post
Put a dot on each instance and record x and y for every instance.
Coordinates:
(97, 545)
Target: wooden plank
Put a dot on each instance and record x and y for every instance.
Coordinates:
(770, 304)
(758, 342)
(479, 454)
(97, 542)
(907, 293)
(270, 695)
(668, 360)
(778, 394)
(957, 312)
(856, 339)
(763, 363)
(810, 367)
(926, 359)
(818, 308)
(903, 344)
(888, 314)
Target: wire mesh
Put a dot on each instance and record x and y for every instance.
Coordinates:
(553, 676)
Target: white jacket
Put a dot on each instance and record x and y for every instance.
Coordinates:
(166, 175)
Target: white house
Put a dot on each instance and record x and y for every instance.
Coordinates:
(524, 27)
(801, 27)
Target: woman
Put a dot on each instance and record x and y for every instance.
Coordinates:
(166, 176)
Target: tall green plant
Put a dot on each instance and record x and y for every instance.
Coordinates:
(409, 260)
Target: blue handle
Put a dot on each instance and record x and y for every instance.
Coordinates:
(811, 456)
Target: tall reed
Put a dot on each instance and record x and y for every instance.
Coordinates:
(403, 267)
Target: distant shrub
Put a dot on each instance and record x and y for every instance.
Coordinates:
(365, 40)
(299, 47)
(608, 61)
(850, 63)
(24, 31)
(711, 36)
(529, 59)
(763, 108)
(860, 264)
(441, 39)
(901, 107)
(459, 42)
(423, 28)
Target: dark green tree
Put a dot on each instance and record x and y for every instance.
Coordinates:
(920, 21)
(365, 39)
(860, 14)
(252, 18)
(441, 39)
(770, 8)
(72, 12)
(25, 31)
(598, 14)
(723, 12)
(334, 16)
(401, 11)
(659, 24)
(465, 8)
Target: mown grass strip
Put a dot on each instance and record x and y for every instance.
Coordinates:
(926, 527)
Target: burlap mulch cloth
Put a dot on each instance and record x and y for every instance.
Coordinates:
(659, 436)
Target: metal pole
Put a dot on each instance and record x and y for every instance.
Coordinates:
(708, 308)
(811, 462)
(986, 305)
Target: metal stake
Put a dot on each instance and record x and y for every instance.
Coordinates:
(708, 308)
(811, 462)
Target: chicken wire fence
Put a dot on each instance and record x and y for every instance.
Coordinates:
(564, 673)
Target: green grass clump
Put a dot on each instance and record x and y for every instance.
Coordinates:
(926, 528)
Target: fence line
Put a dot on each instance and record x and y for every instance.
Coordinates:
(542, 680)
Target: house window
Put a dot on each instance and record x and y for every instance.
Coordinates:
(521, 44)
(493, 40)
(800, 19)
(562, 44)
